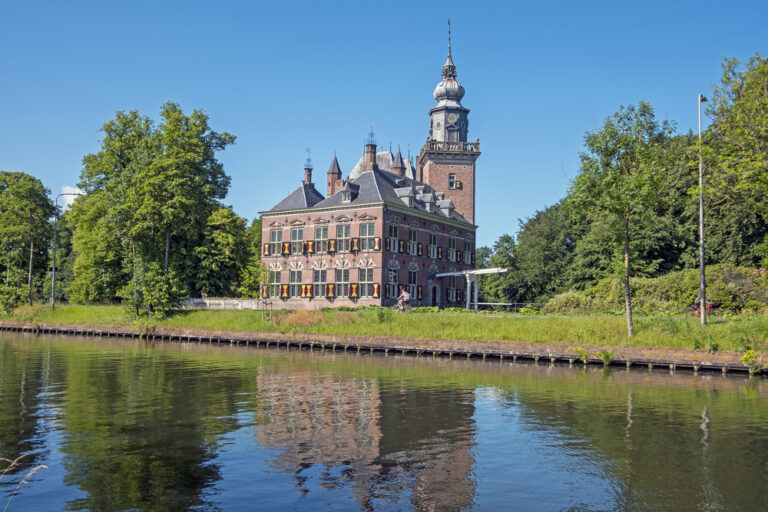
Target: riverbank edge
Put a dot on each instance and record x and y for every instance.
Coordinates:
(609, 356)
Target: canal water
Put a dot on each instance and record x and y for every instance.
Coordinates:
(126, 425)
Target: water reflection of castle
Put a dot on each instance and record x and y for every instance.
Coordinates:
(394, 441)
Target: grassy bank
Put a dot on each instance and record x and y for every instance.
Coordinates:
(736, 334)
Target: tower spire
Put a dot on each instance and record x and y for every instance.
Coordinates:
(449, 70)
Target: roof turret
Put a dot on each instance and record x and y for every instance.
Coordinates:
(334, 168)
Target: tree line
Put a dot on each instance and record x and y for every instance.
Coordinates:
(632, 209)
(149, 228)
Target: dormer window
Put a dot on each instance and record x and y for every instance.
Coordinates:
(346, 196)
(410, 201)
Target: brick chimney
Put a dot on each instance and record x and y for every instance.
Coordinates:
(370, 157)
(308, 170)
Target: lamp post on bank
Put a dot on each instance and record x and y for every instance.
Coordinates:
(55, 246)
(702, 282)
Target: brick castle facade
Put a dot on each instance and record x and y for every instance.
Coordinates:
(390, 225)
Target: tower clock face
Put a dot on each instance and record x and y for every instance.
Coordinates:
(452, 118)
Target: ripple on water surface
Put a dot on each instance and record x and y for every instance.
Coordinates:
(129, 425)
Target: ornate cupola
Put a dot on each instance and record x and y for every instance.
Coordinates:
(448, 119)
(449, 89)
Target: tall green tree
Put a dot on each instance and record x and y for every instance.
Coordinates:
(150, 192)
(25, 212)
(253, 273)
(737, 142)
(502, 287)
(102, 217)
(223, 253)
(739, 109)
(544, 251)
(620, 175)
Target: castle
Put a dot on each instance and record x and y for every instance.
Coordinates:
(390, 225)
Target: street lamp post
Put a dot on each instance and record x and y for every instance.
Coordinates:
(702, 281)
(55, 246)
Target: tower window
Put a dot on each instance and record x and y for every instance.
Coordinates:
(452, 181)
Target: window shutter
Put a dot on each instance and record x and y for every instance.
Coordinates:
(286, 248)
(458, 256)
(354, 244)
(329, 291)
(266, 250)
(400, 289)
(401, 246)
(310, 247)
(439, 253)
(264, 291)
(353, 291)
(459, 294)
(376, 290)
(418, 292)
(421, 249)
(284, 291)
(473, 258)
(376, 243)
(332, 245)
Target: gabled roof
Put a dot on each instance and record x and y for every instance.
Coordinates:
(375, 186)
(303, 197)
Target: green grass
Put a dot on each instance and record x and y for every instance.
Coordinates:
(736, 334)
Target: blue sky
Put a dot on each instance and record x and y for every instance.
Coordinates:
(284, 76)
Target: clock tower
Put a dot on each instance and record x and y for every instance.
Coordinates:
(447, 159)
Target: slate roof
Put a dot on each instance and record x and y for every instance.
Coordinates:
(334, 168)
(303, 197)
(375, 186)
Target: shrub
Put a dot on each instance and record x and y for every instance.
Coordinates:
(568, 302)
(729, 288)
